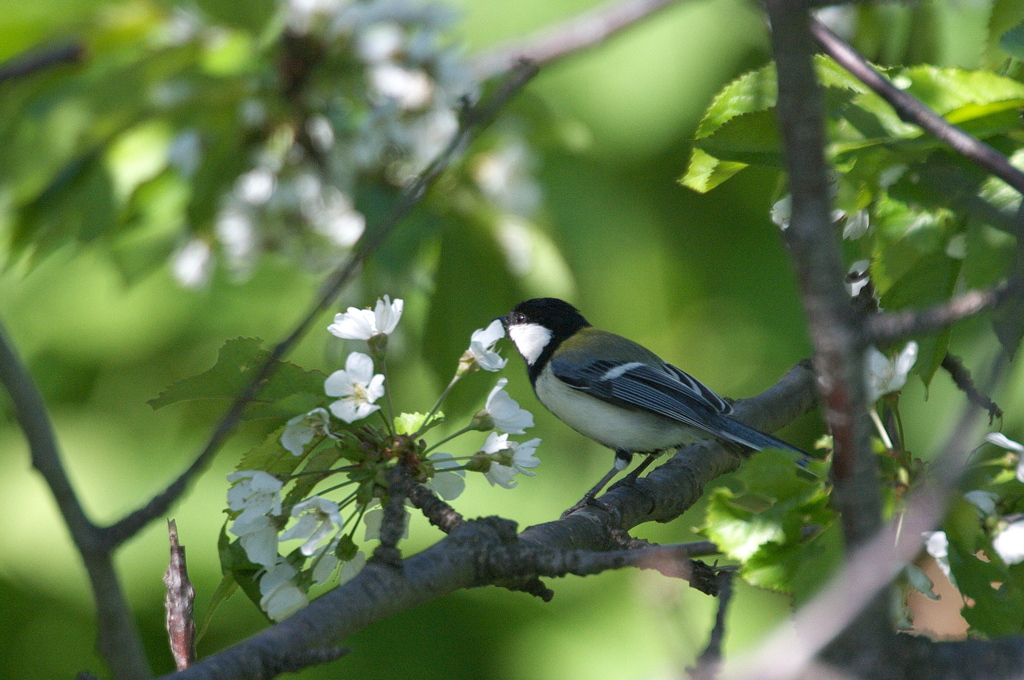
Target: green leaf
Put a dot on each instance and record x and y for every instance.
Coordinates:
(761, 524)
(237, 363)
(270, 456)
(1012, 41)
(225, 589)
(346, 549)
(751, 138)
(77, 205)
(1005, 15)
(706, 172)
(319, 460)
(947, 89)
(990, 255)
(409, 423)
(235, 564)
(930, 281)
(753, 91)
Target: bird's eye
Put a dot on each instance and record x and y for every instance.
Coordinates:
(518, 317)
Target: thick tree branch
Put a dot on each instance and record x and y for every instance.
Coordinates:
(574, 35)
(462, 559)
(836, 333)
(474, 121)
(839, 342)
(119, 642)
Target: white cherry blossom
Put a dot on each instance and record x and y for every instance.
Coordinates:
(257, 496)
(318, 519)
(301, 430)
(481, 347)
(357, 386)
(505, 411)
(363, 324)
(281, 597)
(885, 375)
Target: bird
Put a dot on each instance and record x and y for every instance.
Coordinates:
(617, 392)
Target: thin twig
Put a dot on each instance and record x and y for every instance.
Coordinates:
(914, 111)
(40, 59)
(474, 121)
(440, 514)
(962, 377)
(710, 659)
(119, 641)
(888, 327)
(572, 36)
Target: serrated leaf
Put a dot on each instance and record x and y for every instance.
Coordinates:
(269, 456)
(237, 363)
(409, 423)
(753, 91)
(947, 89)
(931, 280)
(761, 524)
(319, 460)
(751, 138)
(706, 172)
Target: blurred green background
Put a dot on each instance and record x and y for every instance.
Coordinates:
(702, 280)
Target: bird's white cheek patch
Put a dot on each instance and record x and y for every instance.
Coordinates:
(530, 340)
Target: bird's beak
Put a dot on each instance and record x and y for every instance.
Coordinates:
(503, 319)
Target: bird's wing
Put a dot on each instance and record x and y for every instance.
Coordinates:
(670, 392)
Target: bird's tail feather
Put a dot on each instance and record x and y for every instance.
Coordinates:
(735, 431)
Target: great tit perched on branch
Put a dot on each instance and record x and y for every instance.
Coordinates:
(619, 393)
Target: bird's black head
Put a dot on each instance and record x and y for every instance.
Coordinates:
(558, 316)
(537, 327)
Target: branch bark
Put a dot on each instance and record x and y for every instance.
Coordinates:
(118, 637)
(465, 559)
(572, 36)
(836, 333)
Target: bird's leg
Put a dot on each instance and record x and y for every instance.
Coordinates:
(630, 479)
(622, 461)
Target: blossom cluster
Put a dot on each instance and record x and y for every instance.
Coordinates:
(264, 516)
(375, 107)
